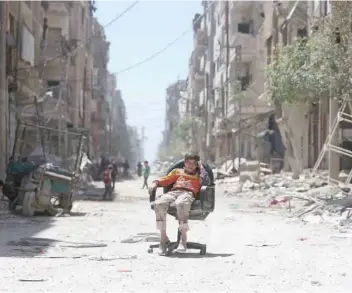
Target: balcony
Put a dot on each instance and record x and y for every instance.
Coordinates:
(61, 7)
(200, 42)
(244, 46)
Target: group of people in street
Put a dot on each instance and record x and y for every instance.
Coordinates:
(109, 171)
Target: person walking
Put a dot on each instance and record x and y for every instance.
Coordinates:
(146, 173)
(139, 169)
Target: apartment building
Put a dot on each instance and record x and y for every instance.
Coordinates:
(229, 57)
(100, 113)
(197, 85)
(25, 24)
(174, 96)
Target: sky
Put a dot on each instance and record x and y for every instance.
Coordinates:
(144, 30)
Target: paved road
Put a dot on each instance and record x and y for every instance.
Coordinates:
(247, 252)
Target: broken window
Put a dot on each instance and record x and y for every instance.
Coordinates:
(83, 15)
(54, 87)
(269, 44)
(245, 27)
(284, 35)
(27, 48)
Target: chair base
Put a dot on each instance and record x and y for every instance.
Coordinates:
(173, 245)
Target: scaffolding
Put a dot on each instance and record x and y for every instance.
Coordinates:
(341, 116)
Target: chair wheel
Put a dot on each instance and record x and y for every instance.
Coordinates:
(203, 251)
(150, 250)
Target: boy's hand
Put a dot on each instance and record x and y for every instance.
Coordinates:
(153, 187)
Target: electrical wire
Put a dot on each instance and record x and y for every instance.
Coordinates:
(169, 45)
(82, 42)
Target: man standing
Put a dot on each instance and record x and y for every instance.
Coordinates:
(146, 174)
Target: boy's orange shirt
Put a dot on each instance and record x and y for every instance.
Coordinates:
(181, 180)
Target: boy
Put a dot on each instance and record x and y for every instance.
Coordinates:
(187, 183)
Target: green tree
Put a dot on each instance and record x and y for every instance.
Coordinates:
(312, 68)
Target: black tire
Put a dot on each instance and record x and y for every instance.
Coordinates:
(150, 250)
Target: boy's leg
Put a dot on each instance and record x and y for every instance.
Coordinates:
(183, 206)
(161, 205)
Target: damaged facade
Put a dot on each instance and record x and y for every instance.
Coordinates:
(56, 75)
(233, 43)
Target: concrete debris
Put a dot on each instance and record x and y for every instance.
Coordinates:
(311, 200)
(230, 167)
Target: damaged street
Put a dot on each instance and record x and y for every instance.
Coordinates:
(253, 245)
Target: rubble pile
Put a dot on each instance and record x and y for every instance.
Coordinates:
(310, 199)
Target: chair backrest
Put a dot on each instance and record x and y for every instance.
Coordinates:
(181, 164)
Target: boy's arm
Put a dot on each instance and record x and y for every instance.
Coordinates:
(167, 180)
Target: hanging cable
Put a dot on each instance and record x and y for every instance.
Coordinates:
(83, 42)
(169, 45)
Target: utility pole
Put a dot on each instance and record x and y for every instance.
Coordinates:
(110, 131)
(227, 24)
(3, 92)
(227, 28)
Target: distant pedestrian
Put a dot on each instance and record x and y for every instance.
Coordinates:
(114, 173)
(108, 182)
(146, 174)
(139, 169)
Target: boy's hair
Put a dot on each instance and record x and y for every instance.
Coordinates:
(1, 183)
(145, 162)
(192, 156)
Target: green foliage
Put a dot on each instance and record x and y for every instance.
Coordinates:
(180, 141)
(311, 68)
(236, 92)
(183, 130)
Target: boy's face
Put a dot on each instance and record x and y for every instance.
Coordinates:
(191, 166)
(145, 164)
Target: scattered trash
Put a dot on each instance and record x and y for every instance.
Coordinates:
(302, 238)
(142, 237)
(310, 199)
(125, 271)
(114, 258)
(47, 242)
(32, 280)
(315, 283)
(263, 245)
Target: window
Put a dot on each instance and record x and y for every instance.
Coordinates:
(44, 4)
(245, 27)
(27, 46)
(83, 16)
(12, 25)
(328, 7)
(284, 35)
(316, 8)
(73, 60)
(238, 53)
(269, 43)
(54, 86)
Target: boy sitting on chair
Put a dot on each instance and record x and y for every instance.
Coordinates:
(187, 183)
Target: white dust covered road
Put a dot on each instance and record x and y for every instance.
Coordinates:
(247, 251)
